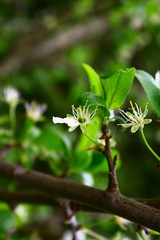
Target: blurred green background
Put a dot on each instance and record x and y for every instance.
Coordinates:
(43, 45)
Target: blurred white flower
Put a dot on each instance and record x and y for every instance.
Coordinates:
(81, 117)
(87, 179)
(135, 120)
(11, 95)
(35, 110)
(157, 79)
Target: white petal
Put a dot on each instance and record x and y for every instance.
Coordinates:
(58, 120)
(71, 122)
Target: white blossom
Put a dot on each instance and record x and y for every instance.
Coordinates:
(35, 110)
(135, 120)
(81, 117)
(11, 95)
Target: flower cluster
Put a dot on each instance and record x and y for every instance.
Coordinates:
(135, 120)
(33, 109)
(81, 117)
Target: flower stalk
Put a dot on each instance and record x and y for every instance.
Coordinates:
(12, 114)
(148, 146)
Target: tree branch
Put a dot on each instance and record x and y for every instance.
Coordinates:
(32, 197)
(37, 197)
(115, 203)
(113, 183)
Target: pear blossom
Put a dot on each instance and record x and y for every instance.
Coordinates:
(11, 95)
(135, 120)
(81, 117)
(35, 110)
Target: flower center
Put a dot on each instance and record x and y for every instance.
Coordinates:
(81, 119)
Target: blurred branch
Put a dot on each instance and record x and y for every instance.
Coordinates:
(78, 33)
(115, 203)
(26, 197)
(71, 220)
(43, 232)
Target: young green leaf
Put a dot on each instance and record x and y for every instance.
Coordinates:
(151, 89)
(116, 87)
(93, 100)
(94, 79)
(81, 161)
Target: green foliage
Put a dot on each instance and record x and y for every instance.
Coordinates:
(129, 38)
(7, 219)
(116, 86)
(108, 91)
(94, 79)
(151, 89)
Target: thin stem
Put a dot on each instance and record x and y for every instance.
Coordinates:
(90, 138)
(148, 146)
(13, 118)
(94, 234)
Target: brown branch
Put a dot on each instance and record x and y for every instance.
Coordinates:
(78, 33)
(32, 197)
(37, 197)
(114, 203)
(43, 232)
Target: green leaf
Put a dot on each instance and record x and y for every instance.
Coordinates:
(4, 119)
(26, 129)
(99, 162)
(116, 87)
(7, 219)
(150, 88)
(94, 79)
(93, 100)
(81, 161)
(51, 140)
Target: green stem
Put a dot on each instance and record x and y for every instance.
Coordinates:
(13, 119)
(93, 234)
(90, 138)
(147, 145)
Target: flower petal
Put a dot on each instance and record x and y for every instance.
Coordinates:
(134, 128)
(147, 121)
(58, 120)
(71, 129)
(70, 121)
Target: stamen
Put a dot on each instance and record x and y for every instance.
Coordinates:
(126, 117)
(74, 111)
(92, 114)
